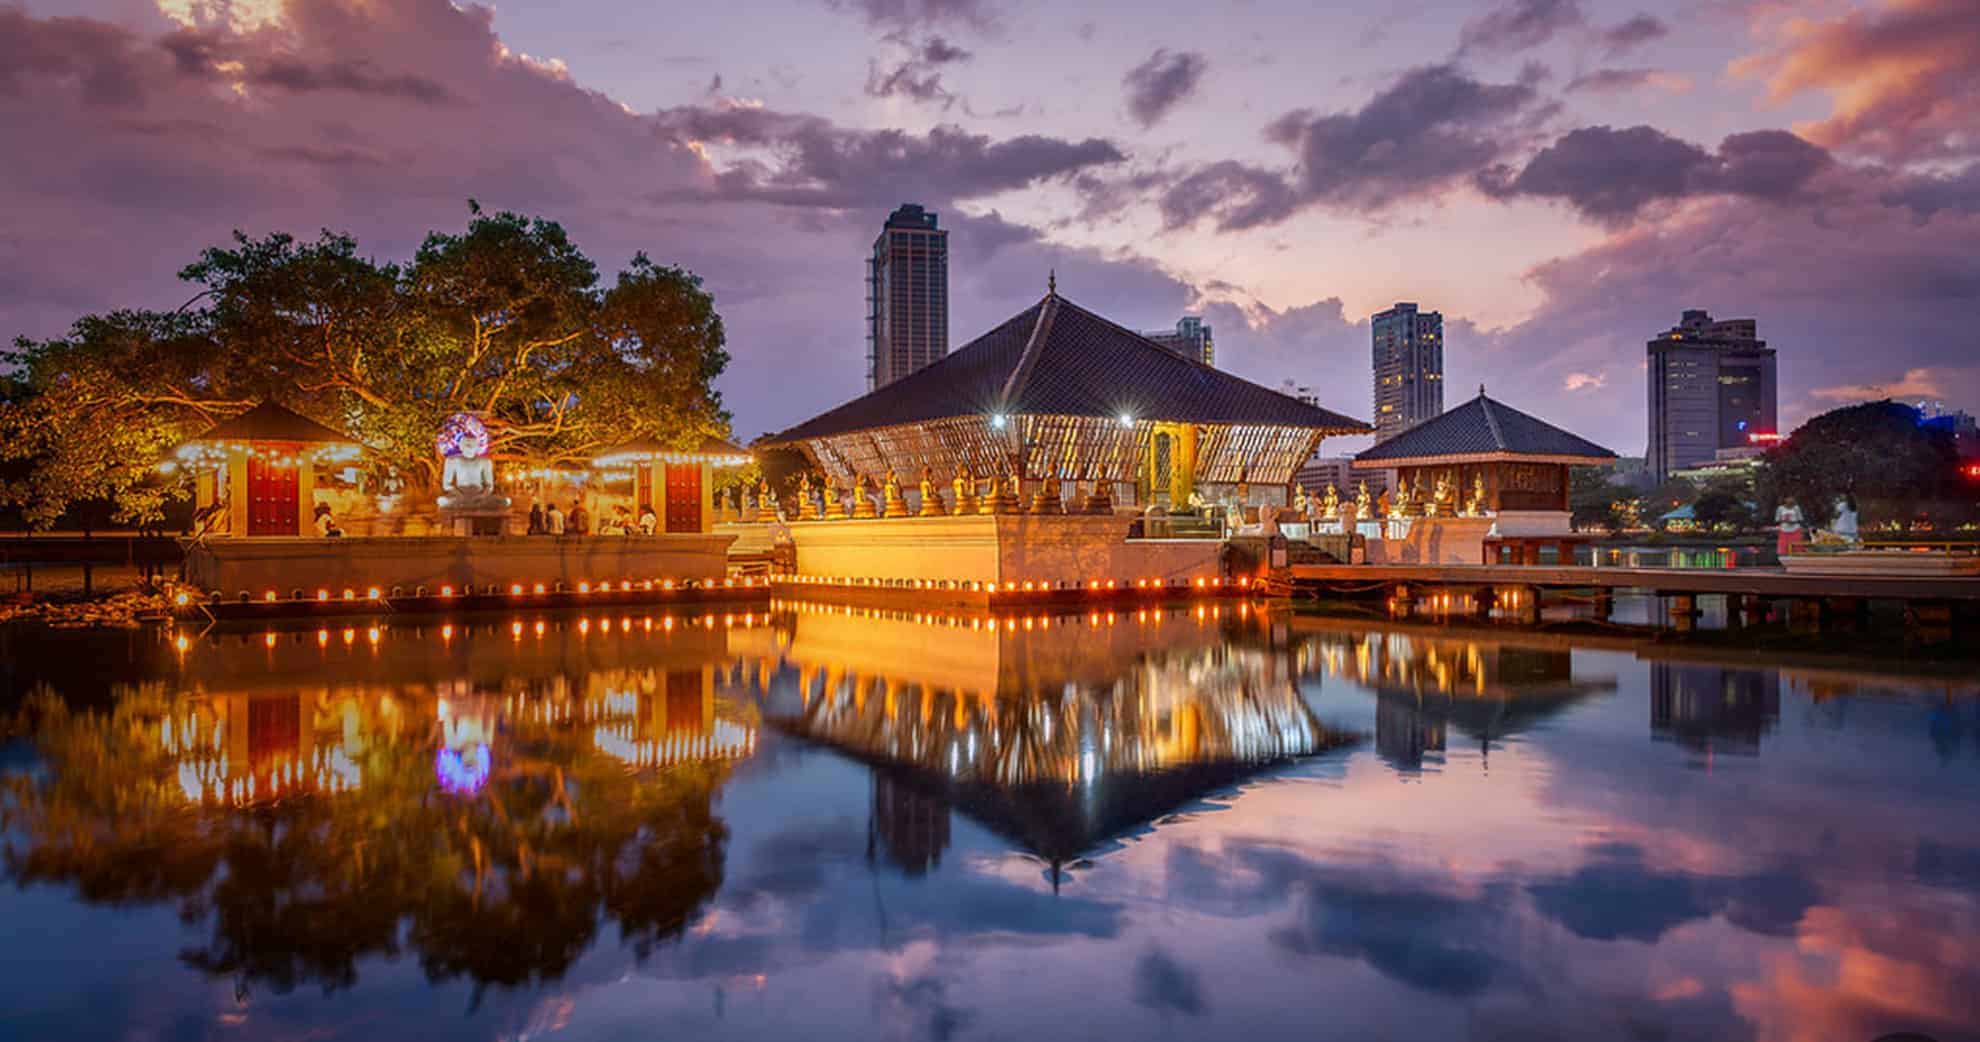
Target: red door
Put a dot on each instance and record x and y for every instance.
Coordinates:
(271, 489)
(683, 497)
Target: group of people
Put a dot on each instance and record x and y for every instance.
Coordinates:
(577, 521)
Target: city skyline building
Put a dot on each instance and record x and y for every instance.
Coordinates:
(907, 296)
(1711, 386)
(1190, 339)
(1408, 367)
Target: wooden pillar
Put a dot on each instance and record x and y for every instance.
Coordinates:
(305, 492)
(237, 492)
(707, 497)
(1605, 603)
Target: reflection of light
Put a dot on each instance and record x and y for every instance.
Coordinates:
(462, 770)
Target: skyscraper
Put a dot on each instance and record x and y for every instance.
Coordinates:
(1409, 368)
(907, 296)
(1190, 339)
(1711, 387)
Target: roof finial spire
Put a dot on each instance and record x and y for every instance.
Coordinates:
(1052, 282)
(1481, 388)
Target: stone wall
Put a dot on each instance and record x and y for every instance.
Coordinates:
(285, 564)
(1074, 548)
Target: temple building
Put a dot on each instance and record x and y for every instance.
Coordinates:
(1057, 392)
(1058, 448)
(1481, 482)
(257, 474)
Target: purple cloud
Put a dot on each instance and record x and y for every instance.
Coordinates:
(1165, 80)
(1519, 25)
(1610, 175)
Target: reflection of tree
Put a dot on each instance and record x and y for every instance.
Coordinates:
(504, 885)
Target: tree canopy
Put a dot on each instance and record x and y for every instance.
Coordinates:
(1878, 451)
(507, 319)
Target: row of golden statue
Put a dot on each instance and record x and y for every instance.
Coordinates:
(1004, 496)
(1440, 500)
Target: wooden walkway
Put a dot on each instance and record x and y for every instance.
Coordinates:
(1737, 582)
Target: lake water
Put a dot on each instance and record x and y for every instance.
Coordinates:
(819, 823)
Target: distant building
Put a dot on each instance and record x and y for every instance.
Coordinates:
(907, 296)
(1409, 368)
(1711, 387)
(1961, 425)
(1190, 339)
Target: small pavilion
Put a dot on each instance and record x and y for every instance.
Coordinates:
(1482, 482)
(256, 473)
(683, 497)
(1058, 393)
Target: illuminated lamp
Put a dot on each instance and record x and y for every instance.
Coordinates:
(584, 587)
(539, 588)
(371, 594)
(998, 421)
(269, 596)
(446, 591)
(1126, 420)
(182, 600)
(268, 640)
(350, 595)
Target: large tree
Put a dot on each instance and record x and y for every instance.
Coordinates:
(507, 319)
(1882, 454)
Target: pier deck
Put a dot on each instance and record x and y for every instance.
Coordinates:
(1749, 582)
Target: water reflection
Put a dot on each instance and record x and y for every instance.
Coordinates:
(846, 824)
(1060, 734)
(1427, 684)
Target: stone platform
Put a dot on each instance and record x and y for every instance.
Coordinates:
(1059, 550)
(286, 564)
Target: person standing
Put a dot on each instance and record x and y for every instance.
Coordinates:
(553, 520)
(579, 519)
(1789, 535)
(1845, 526)
(648, 520)
(535, 518)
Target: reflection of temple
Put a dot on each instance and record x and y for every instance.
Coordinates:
(1711, 708)
(280, 713)
(658, 718)
(911, 828)
(1059, 733)
(238, 748)
(1486, 689)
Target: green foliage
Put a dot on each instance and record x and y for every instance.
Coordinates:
(1593, 497)
(1875, 452)
(506, 319)
(1722, 508)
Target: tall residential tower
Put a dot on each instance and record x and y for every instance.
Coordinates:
(1409, 369)
(1190, 339)
(1711, 387)
(907, 296)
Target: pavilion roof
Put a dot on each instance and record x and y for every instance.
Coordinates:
(270, 421)
(1057, 358)
(710, 448)
(1483, 429)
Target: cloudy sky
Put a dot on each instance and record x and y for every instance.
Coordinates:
(1559, 177)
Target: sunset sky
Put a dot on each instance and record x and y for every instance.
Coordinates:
(1559, 177)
